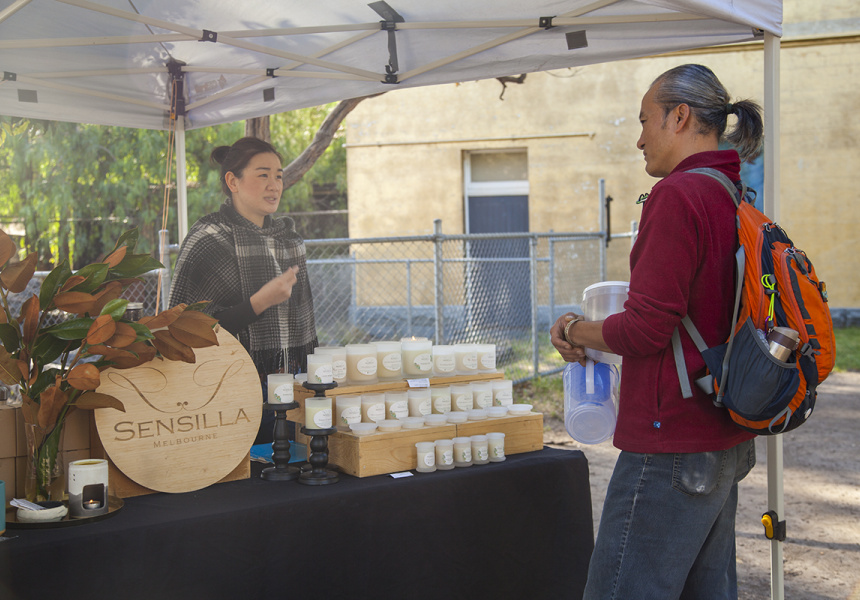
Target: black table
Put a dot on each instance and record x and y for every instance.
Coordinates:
(521, 529)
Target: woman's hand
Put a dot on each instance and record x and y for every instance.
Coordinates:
(275, 291)
(568, 352)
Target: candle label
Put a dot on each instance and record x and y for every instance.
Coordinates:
(284, 393)
(322, 419)
(322, 374)
(488, 360)
(367, 366)
(430, 459)
(376, 412)
(483, 399)
(350, 414)
(465, 455)
(425, 408)
(392, 362)
(503, 398)
(481, 453)
(338, 370)
(442, 404)
(398, 410)
(448, 457)
(445, 363)
(463, 402)
(470, 361)
(498, 451)
(423, 362)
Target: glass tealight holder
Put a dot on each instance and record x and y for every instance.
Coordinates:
(426, 457)
(396, 405)
(361, 364)
(444, 364)
(440, 399)
(496, 446)
(482, 394)
(480, 450)
(466, 359)
(503, 392)
(389, 361)
(461, 396)
(417, 357)
(444, 454)
(462, 452)
(338, 361)
(419, 402)
(372, 407)
(486, 358)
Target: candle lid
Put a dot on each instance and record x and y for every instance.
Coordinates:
(477, 414)
(435, 420)
(363, 428)
(412, 422)
(389, 425)
(519, 409)
(457, 417)
(497, 411)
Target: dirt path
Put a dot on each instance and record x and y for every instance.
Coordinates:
(822, 500)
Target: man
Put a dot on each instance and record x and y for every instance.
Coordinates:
(667, 528)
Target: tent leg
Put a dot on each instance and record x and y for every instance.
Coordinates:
(181, 191)
(775, 502)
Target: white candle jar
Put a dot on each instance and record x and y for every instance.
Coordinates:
(480, 450)
(318, 413)
(372, 408)
(440, 399)
(466, 359)
(496, 446)
(462, 452)
(420, 402)
(347, 410)
(482, 394)
(461, 397)
(426, 457)
(389, 361)
(486, 358)
(444, 454)
(338, 361)
(444, 364)
(417, 357)
(279, 388)
(396, 405)
(361, 364)
(319, 368)
(503, 392)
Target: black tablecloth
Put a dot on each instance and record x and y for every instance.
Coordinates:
(521, 529)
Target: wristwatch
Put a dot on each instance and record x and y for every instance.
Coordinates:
(567, 327)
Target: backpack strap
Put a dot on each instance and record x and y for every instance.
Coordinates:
(737, 194)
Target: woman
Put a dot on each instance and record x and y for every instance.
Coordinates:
(250, 266)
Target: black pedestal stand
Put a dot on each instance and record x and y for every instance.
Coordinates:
(282, 471)
(318, 447)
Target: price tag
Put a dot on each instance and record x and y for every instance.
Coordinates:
(418, 383)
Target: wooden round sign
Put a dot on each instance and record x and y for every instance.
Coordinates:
(185, 426)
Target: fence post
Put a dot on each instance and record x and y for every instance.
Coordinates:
(439, 277)
(409, 297)
(533, 272)
(601, 208)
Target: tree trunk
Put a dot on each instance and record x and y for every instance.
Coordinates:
(258, 127)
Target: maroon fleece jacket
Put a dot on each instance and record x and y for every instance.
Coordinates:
(682, 263)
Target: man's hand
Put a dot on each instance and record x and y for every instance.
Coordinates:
(568, 352)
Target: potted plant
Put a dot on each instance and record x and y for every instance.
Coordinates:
(58, 366)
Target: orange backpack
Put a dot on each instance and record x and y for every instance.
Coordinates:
(776, 289)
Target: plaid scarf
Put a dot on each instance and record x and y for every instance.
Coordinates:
(225, 259)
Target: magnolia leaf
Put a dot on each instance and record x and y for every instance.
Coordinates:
(95, 274)
(43, 381)
(74, 329)
(7, 248)
(141, 353)
(10, 337)
(124, 335)
(74, 302)
(111, 292)
(115, 257)
(101, 330)
(52, 284)
(49, 348)
(143, 332)
(9, 373)
(116, 307)
(171, 348)
(30, 319)
(15, 277)
(198, 306)
(163, 319)
(85, 376)
(129, 238)
(29, 410)
(51, 402)
(194, 328)
(93, 400)
(3, 317)
(134, 265)
(109, 353)
(72, 282)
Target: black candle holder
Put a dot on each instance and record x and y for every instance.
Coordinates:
(282, 471)
(318, 447)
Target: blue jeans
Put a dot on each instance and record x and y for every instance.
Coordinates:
(668, 527)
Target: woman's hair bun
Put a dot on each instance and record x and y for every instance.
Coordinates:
(219, 154)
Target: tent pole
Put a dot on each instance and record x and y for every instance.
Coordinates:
(181, 191)
(775, 498)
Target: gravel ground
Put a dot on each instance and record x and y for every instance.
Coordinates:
(822, 500)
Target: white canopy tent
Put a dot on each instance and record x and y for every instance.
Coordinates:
(185, 64)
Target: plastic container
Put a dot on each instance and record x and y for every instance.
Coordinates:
(477, 414)
(363, 428)
(412, 422)
(517, 410)
(494, 412)
(598, 302)
(590, 394)
(435, 420)
(457, 416)
(388, 425)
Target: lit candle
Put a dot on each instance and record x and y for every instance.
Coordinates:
(417, 357)
(361, 363)
(444, 454)
(396, 405)
(347, 411)
(482, 394)
(461, 397)
(318, 413)
(440, 399)
(389, 362)
(426, 459)
(496, 446)
(338, 361)
(503, 392)
(466, 358)
(462, 452)
(487, 358)
(319, 368)
(480, 450)
(279, 388)
(372, 408)
(443, 361)
(419, 402)
(92, 504)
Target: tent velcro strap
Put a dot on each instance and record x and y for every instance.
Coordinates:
(209, 36)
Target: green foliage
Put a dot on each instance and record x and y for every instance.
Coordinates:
(847, 349)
